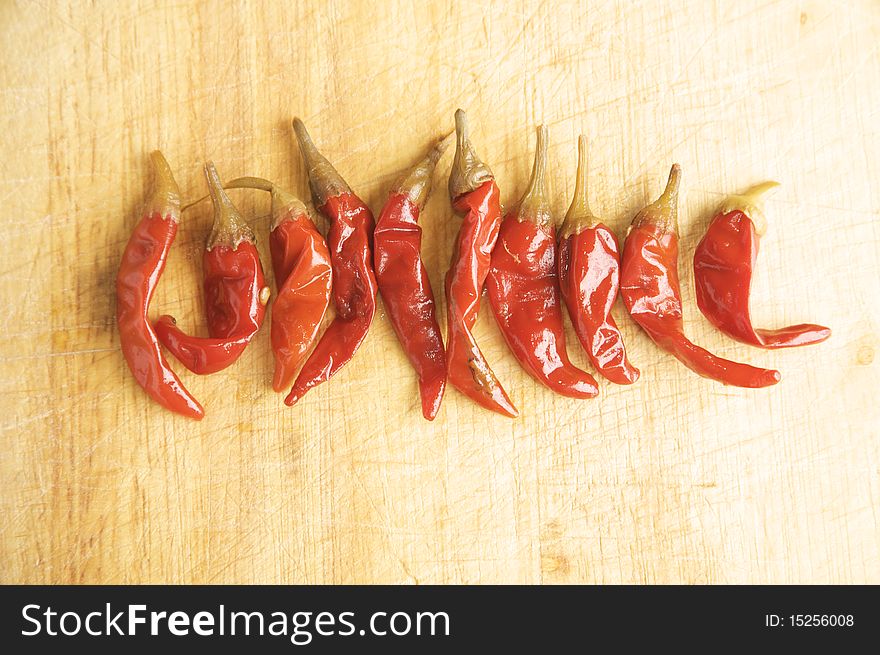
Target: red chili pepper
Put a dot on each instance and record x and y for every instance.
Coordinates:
(142, 264)
(474, 193)
(301, 263)
(403, 280)
(523, 289)
(723, 265)
(235, 292)
(589, 275)
(650, 288)
(354, 285)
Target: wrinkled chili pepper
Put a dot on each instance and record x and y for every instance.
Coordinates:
(354, 284)
(650, 288)
(403, 280)
(142, 264)
(235, 291)
(589, 276)
(523, 288)
(301, 263)
(474, 193)
(723, 265)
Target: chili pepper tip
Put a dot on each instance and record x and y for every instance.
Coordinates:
(324, 180)
(468, 171)
(534, 205)
(668, 200)
(416, 183)
(663, 212)
(579, 215)
(751, 203)
(229, 228)
(165, 195)
(670, 193)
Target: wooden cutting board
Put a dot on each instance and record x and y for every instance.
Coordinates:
(677, 479)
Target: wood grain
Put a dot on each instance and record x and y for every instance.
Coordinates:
(677, 479)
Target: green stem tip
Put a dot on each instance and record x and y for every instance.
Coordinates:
(663, 212)
(164, 197)
(324, 180)
(534, 205)
(416, 182)
(230, 229)
(468, 170)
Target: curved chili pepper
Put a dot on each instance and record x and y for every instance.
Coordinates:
(474, 193)
(142, 264)
(354, 285)
(650, 288)
(403, 280)
(589, 276)
(723, 265)
(301, 263)
(235, 291)
(523, 289)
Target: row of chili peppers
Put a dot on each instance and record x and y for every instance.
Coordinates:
(525, 267)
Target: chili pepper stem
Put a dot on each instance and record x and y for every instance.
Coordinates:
(284, 203)
(164, 198)
(534, 205)
(416, 183)
(750, 203)
(468, 170)
(579, 216)
(663, 212)
(324, 181)
(229, 228)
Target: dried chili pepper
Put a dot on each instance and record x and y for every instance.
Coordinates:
(523, 288)
(474, 193)
(403, 280)
(235, 291)
(723, 265)
(301, 263)
(354, 284)
(142, 264)
(650, 288)
(589, 276)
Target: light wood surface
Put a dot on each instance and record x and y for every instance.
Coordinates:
(676, 479)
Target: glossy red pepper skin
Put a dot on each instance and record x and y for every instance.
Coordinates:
(589, 274)
(202, 355)
(233, 282)
(409, 298)
(467, 367)
(475, 195)
(403, 280)
(723, 265)
(303, 272)
(523, 290)
(354, 283)
(589, 278)
(524, 293)
(303, 276)
(651, 292)
(404, 284)
(235, 294)
(142, 265)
